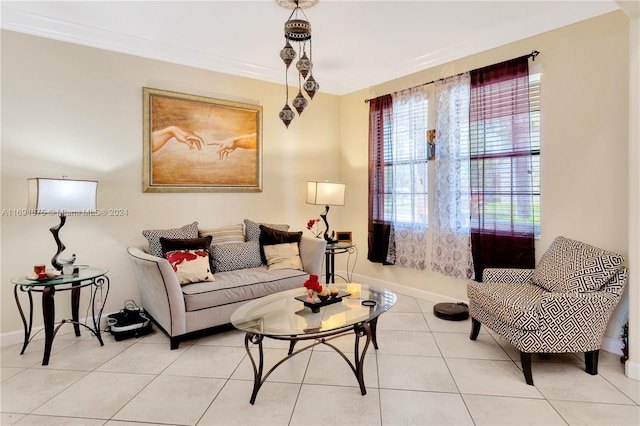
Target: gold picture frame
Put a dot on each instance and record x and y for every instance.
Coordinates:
(198, 144)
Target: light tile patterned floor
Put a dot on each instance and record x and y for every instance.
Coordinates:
(426, 372)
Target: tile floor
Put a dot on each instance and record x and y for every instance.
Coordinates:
(426, 371)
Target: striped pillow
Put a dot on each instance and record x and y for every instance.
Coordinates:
(224, 235)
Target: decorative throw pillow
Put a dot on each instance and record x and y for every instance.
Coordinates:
(270, 236)
(252, 229)
(283, 256)
(171, 244)
(225, 235)
(191, 266)
(229, 257)
(187, 231)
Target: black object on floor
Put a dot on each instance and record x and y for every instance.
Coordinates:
(129, 322)
(451, 311)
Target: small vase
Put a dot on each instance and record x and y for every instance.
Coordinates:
(310, 294)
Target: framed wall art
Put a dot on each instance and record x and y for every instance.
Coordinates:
(431, 144)
(199, 144)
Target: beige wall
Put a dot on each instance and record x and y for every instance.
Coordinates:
(584, 150)
(633, 365)
(77, 111)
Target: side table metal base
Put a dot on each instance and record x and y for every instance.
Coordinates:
(48, 311)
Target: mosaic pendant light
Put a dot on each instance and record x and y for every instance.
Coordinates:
(287, 115)
(297, 30)
(300, 102)
(304, 65)
(288, 54)
(311, 86)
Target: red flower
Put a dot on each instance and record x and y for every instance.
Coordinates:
(311, 223)
(313, 284)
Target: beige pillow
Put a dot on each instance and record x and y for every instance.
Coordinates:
(283, 256)
(224, 235)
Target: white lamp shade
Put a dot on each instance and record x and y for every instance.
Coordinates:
(62, 195)
(325, 193)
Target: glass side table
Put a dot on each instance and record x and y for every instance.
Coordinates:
(330, 258)
(94, 278)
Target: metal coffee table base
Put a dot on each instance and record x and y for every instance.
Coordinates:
(364, 329)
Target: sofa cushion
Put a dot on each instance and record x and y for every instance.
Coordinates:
(225, 235)
(153, 235)
(240, 286)
(515, 304)
(229, 257)
(271, 236)
(282, 256)
(573, 266)
(252, 229)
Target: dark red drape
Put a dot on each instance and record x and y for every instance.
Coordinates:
(380, 117)
(502, 222)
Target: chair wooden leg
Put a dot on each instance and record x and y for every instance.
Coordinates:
(525, 359)
(475, 329)
(591, 362)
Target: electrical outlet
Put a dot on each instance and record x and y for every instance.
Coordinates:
(98, 304)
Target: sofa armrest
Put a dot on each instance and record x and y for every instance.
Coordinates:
(312, 254)
(160, 290)
(506, 275)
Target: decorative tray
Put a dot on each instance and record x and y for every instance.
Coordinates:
(315, 306)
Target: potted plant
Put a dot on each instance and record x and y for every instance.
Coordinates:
(624, 336)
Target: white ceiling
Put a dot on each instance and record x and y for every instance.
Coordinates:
(356, 44)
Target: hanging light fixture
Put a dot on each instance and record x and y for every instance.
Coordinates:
(297, 31)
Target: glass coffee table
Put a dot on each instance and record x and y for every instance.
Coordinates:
(281, 316)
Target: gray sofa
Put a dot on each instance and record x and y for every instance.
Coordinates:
(186, 311)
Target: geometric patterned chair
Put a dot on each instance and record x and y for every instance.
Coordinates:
(563, 305)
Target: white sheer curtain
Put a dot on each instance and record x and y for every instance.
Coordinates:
(408, 239)
(451, 231)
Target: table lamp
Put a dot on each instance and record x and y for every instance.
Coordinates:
(61, 196)
(329, 194)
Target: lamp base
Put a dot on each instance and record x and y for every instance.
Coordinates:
(329, 239)
(56, 262)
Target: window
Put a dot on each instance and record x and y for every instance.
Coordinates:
(495, 156)
(404, 163)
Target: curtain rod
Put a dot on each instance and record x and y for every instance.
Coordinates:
(532, 55)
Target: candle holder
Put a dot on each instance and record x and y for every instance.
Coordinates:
(354, 290)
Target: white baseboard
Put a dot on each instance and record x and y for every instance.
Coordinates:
(399, 288)
(37, 333)
(632, 370)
